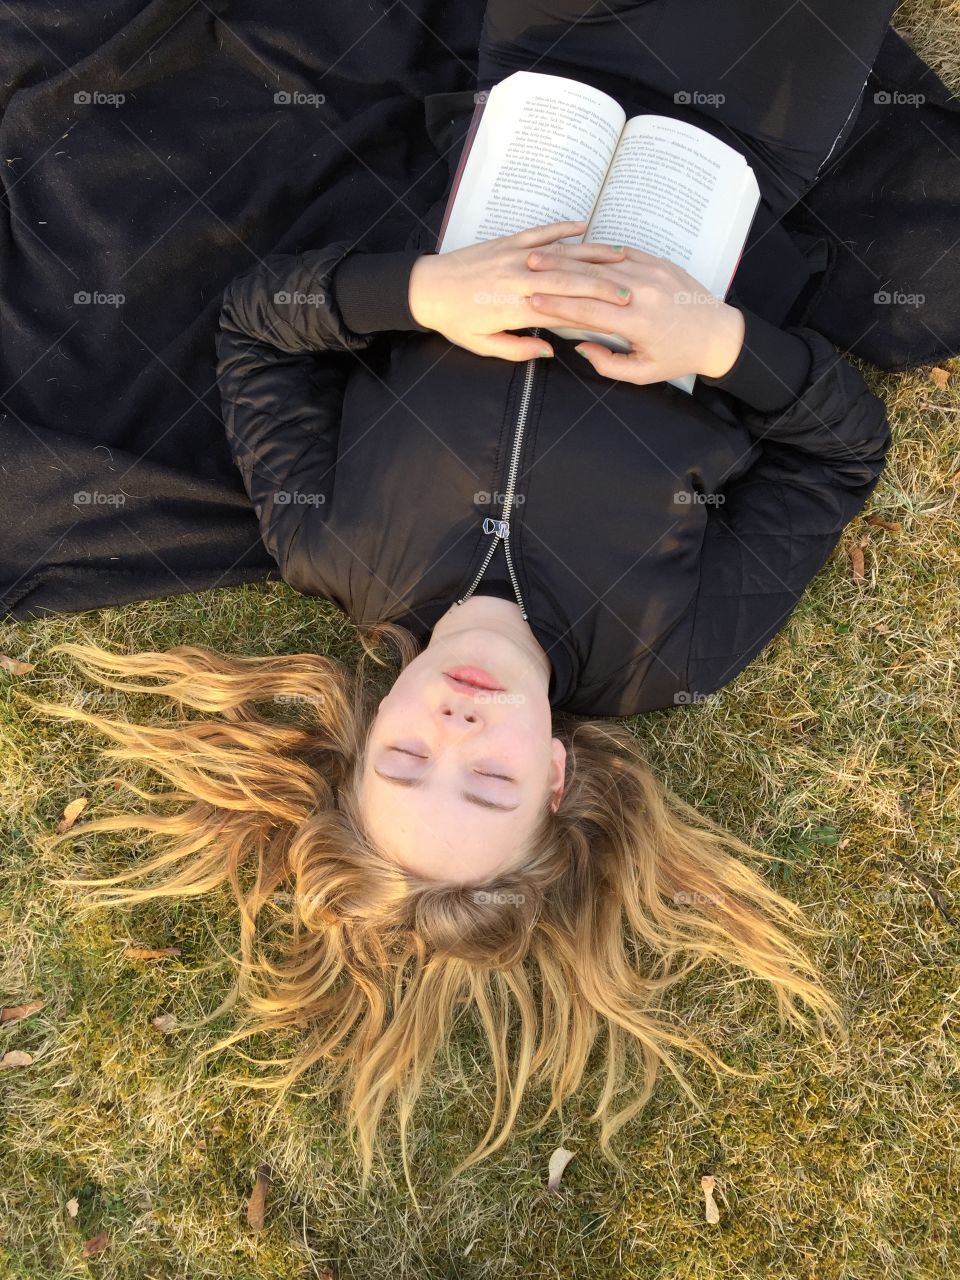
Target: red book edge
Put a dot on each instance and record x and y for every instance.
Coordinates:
(468, 143)
(743, 247)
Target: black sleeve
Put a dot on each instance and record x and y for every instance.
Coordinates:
(819, 460)
(284, 355)
(771, 369)
(372, 291)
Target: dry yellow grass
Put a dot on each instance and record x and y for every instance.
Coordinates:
(837, 748)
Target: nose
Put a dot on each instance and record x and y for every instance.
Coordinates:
(456, 715)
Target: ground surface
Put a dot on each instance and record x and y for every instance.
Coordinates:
(837, 749)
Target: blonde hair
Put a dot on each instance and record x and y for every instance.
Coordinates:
(623, 868)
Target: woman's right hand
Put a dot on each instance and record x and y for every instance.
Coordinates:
(473, 295)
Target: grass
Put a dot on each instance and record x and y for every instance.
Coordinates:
(837, 749)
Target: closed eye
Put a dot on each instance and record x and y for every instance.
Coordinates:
(406, 752)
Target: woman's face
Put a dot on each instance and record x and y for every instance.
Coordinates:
(456, 776)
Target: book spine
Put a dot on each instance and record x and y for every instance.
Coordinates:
(480, 103)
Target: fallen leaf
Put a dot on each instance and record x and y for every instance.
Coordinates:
(15, 667)
(72, 1207)
(883, 523)
(14, 1012)
(558, 1162)
(940, 377)
(72, 812)
(258, 1199)
(165, 1022)
(15, 1058)
(855, 552)
(708, 1183)
(150, 953)
(96, 1244)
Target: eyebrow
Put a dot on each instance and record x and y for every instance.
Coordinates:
(464, 795)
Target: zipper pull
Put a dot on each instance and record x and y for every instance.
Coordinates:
(500, 527)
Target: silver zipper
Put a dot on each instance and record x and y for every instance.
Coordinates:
(500, 528)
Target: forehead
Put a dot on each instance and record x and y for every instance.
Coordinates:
(435, 833)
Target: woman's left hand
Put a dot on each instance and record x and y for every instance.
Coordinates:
(673, 323)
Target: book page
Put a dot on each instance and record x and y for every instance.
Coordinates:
(540, 155)
(672, 191)
(675, 191)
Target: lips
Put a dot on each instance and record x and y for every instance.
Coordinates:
(474, 678)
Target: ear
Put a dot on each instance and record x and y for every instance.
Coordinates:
(558, 765)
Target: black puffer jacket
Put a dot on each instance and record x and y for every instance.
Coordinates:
(657, 540)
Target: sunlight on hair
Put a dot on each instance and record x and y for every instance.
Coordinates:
(377, 965)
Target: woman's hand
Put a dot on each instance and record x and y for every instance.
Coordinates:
(472, 295)
(673, 323)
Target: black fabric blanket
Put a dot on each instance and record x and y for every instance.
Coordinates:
(151, 152)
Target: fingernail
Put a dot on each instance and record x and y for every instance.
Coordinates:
(545, 352)
(580, 352)
(623, 293)
(536, 298)
(536, 257)
(616, 247)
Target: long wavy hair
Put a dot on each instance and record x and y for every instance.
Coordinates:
(376, 964)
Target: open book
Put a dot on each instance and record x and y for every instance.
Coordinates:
(543, 148)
